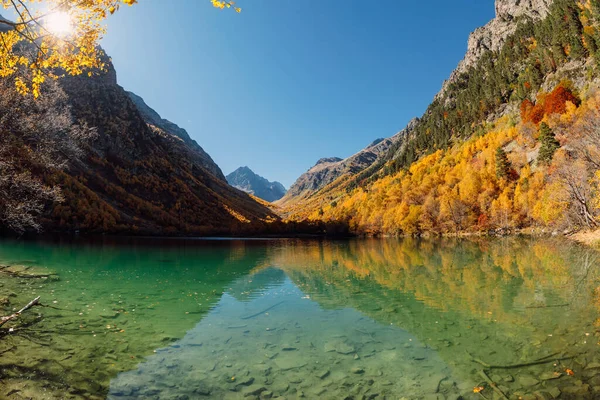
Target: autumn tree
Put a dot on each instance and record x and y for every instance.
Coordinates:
(53, 38)
(35, 135)
(548, 142)
(578, 169)
(556, 101)
(586, 138)
(502, 209)
(574, 177)
(453, 211)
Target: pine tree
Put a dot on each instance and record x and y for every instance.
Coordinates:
(502, 163)
(549, 144)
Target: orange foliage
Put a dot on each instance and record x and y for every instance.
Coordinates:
(458, 190)
(554, 102)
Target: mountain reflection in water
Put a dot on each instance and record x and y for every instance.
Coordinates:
(360, 318)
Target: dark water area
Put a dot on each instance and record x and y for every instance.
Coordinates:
(137, 318)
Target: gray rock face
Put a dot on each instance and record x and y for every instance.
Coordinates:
(492, 36)
(327, 170)
(402, 139)
(155, 121)
(245, 179)
(509, 9)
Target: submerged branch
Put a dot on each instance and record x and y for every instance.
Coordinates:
(550, 306)
(263, 311)
(32, 303)
(543, 360)
(492, 384)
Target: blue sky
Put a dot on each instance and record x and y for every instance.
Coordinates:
(287, 82)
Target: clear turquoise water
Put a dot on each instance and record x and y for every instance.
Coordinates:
(181, 319)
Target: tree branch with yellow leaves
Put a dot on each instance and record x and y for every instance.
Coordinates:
(54, 38)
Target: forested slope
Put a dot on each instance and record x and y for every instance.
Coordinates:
(512, 141)
(84, 158)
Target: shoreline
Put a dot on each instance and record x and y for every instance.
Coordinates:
(587, 237)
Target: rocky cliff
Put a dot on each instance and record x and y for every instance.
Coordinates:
(492, 36)
(245, 179)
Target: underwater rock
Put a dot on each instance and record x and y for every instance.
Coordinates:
(281, 387)
(262, 369)
(527, 381)
(246, 381)
(546, 376)
(339, 346)
(357, 370)
(176, 397)
(323, 374)
(109, 314)
(579, 391)
(554, 392)
(496, 378)
(253, 390)
(318, 391)
(544, 395)
(286, 363)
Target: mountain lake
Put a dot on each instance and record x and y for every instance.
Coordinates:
(125, 318)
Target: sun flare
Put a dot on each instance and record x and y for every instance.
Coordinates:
(59, 23)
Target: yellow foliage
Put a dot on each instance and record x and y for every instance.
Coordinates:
(225, 4)
(458, 190)
(236, 214)
(62, 35)
(61, 38)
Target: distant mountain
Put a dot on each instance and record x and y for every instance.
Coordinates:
(328, 170)
(245, 179)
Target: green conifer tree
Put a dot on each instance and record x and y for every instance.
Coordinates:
(548, 142)
(502, 163)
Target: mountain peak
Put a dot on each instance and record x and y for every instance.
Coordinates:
(510, 9)
(245, 179)
(491, 37)
(375, 142)
(328, 160)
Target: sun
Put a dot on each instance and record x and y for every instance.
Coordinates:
(58, 23)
